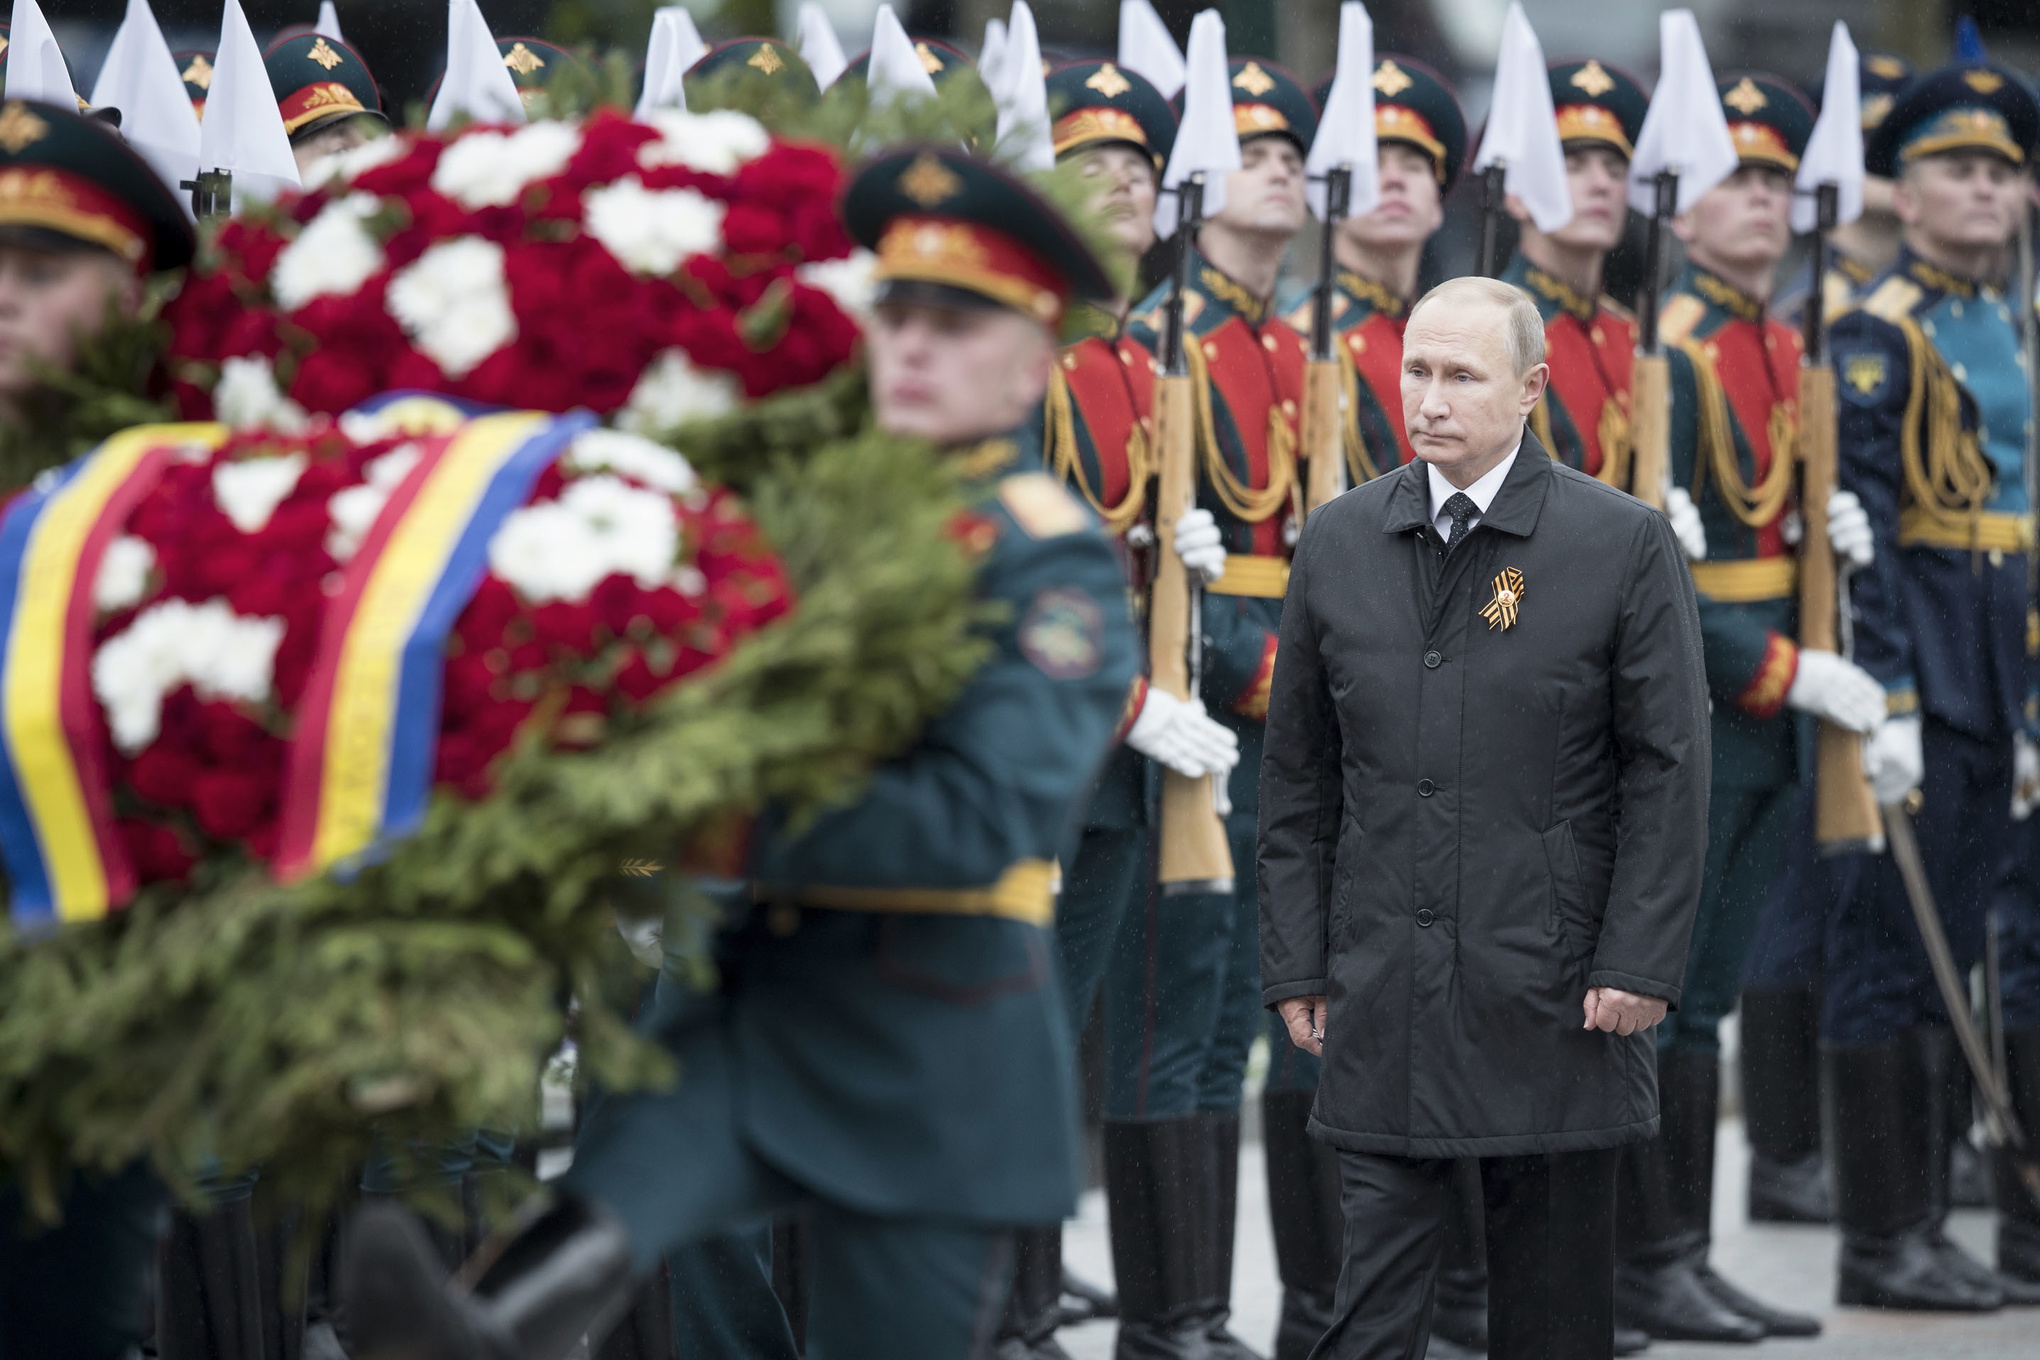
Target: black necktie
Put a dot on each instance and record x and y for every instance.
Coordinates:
(1460, 506)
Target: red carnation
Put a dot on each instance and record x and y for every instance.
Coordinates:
(229, 804)
(157, 851)
(164, 773)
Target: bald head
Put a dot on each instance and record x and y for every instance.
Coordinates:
(1473, 367)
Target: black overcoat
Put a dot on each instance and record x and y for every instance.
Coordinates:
(1465, 825)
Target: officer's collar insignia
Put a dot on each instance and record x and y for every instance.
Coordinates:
(1864, 375)
(1367, 290)
(1593, 80)
(766, 60)
(1107, 81)
(1391, 79)
(199, 73)
(1727, 296)
(522, 59)
(993, 455)
(1983, 82)
(20, 129)
(1253, 79)
(1500, 612)
(929, 182)
(1561, 292)
(930, 63)
(1938, 279)
(1251, 309)
(324, 55)
(1746, 98)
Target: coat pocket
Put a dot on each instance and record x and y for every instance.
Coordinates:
(1572, 922)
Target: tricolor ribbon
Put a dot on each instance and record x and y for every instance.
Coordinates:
(359, 775)
(64, 860)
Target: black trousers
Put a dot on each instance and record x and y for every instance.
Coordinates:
(1550, 1247)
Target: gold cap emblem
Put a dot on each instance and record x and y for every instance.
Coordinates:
(767, 60)
(1253, 80)
(929, 182)
(522, 59)
(930, 63)
(1593, 79)
(20, 129)
(1983, 82)
(1745, 98)
(1107, 81)
(199, 73)
(1500, 612)
(324, 55)
(1391, 80)
(1889, 68)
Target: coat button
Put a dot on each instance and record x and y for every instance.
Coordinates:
(1431, 659)
(1424, 917)
(1425, 788)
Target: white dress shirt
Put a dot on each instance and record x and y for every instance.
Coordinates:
(1482, 493)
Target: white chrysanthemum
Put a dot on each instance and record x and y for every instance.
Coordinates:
(672, 391)
(248, 398)
(217, 652)
(633, 456)
(123, 574)
(353, 511)
(849, 282)
(716, 142)
(634, 529)
(344, 167)
(489, 169)
(249, 490)
(333, 256)
(600, 526)
(454, 303)
(651, 231)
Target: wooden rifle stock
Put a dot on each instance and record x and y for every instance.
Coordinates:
(1194, 854)
(1650, 442)
(1845, 815)
(1323, 444)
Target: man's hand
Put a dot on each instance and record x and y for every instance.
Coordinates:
(1613, 1010)
(1305, 1016)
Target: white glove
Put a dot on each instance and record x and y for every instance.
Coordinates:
(1892, 759)
(1839, 691)
(1685, 518)
(2025, 777)
(1199, 544)
(1177, 733)
(1849, 530)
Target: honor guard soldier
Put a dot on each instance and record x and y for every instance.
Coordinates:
(1099, 431)
(534, 65)
(1182, 1000)
(1584, 418)
(84, 225)
(1779, 1053)
(1735, 377)
(887, 1045)
(1935, 423)
(195, 66)
(328, 99)
(764, 66)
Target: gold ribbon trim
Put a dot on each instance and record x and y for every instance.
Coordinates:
(1264, 578)
(1066, 461)
(1747, 581)
(1985, 531)
(1239, 498)
(1754, 506)
(1025, 892)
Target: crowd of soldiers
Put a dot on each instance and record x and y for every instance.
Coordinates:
(865, 1048)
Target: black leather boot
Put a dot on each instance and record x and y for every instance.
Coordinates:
(1034, 1306)
(1083, 1301)
(1878, 1120)
(1221, 1219)
(1460, 1308)
(1660, 1285)
(1308, 1223)
(560, 1273)
(1780, 1067)
(2018, 1236)
(1154, 1191)
(1948, 1120)
(1631, 1340)
(211, 1296)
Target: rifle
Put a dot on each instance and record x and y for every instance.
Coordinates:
(1845, 814)
(212, 193)
(1650, 380)
(1323, 447)
(1194, 856)
(1492, 195)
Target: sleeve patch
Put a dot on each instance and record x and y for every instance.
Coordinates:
(1865, 374)
(1063, 634)
(1041, 506)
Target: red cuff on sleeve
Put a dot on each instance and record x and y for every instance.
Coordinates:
(1136, 698)
(1253, 700)
(1765, 694)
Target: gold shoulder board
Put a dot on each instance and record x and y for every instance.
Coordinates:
(1680, 315)
(1041, 505)
(1893, 299)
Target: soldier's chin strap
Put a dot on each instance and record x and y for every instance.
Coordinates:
(2001, 1124)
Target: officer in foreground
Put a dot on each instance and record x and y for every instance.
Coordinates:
(1934, 419)
(84, 223)
(887, 1046)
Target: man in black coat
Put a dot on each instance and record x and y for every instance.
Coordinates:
(1483, 816)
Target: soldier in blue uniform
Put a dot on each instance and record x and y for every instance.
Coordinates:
(887, 1046)
(1734, 384)
(1935, 418)
(1182, 999)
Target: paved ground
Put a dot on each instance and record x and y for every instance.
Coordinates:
(1791, 1266)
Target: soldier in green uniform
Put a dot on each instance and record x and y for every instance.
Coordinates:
(1182, 1001)
(1735, 375)
(887, 1046)
(534, 65)
(764, 67)
(84, 223)
(328, 99)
